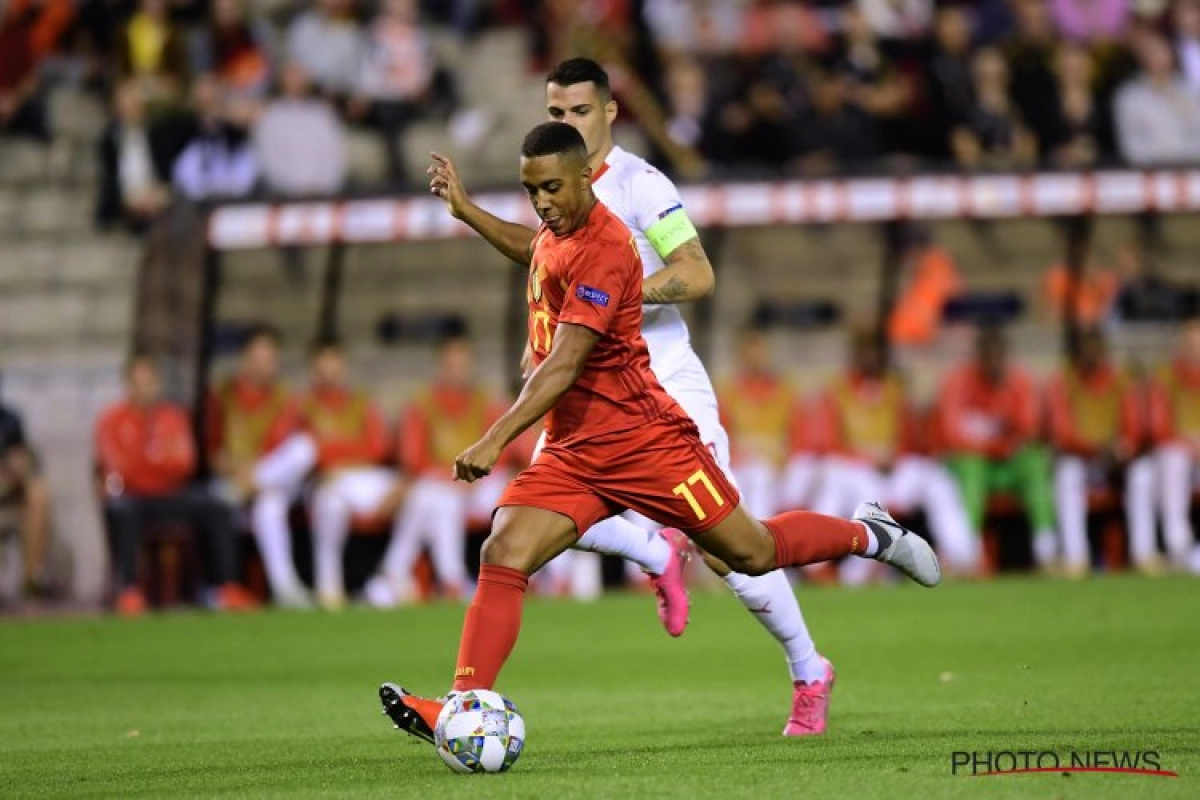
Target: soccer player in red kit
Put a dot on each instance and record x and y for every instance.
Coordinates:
(615, 438)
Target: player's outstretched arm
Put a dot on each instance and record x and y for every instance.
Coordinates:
(548, 383)
(510, 238)
(687, 275)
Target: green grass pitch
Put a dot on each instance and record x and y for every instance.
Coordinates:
(280, 704)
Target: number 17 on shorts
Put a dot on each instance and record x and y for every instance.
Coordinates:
(699, 484)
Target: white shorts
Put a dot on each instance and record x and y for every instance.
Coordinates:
(361, 489)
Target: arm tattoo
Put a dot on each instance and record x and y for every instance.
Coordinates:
(670, 292)
(675, 289)
(689, 249)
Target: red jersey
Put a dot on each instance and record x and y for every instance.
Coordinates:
(593, 277)
(150, 450)
(985, 419)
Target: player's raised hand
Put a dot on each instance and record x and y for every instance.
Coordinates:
(477, 460)
(445, 183)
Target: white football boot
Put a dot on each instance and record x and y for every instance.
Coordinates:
(900, 547)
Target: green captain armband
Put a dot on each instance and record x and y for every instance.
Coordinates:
(672, 229)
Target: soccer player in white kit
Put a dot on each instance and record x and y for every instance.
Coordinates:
(676, 271)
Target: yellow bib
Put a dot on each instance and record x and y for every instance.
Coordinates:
(449, 436)
(871, 424)
(337, 424)
(245, 432)
(1185, 403)
(1097, 415)
(760, 425)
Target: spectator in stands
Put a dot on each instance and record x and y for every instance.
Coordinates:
(757, 405)
(838, 132)
(783, 28)
(1157, 114)
(30, 30)
(989, 418)
(1175, 423)
(994, 20)
(1142, 294)
(146, 458)
(237, 49)
(442, 422)
(873, 452)
(299, 140)
(756, 125)
(328, 42)
(1074, 139)
(683, 27)
(24, 502)
(949, 86)
(152, 50)
(928, 280)
(397, 78)
(1185, 24)
(1030, 55)
(219, 161)
(1089, 21)
(135, 161)
(261, 457)
(898, 20)
(688, 123)
(877, 85)
(993, 135)
(352, 485)
(1095, 427)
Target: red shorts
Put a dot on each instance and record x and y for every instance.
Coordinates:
(662, 472)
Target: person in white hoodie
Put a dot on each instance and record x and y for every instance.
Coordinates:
(1157, 113)
(299, 139)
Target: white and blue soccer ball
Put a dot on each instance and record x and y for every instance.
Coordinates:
(479, 731)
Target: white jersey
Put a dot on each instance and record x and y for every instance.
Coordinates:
(640, 196)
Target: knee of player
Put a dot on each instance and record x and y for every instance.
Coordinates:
(326, 504)
(503, 550)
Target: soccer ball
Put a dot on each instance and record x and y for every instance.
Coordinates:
(479, 731)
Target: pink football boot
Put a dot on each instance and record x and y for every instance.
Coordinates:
(810, 705)
(669, 587)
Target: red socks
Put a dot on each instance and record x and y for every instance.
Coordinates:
(490, 628)
(805, 537)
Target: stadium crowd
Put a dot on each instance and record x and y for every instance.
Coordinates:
(209, 98)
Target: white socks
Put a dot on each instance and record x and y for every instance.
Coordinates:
(768, 597)
(1045, 548)
(617, 536)
(773, 603)
(872, 541)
